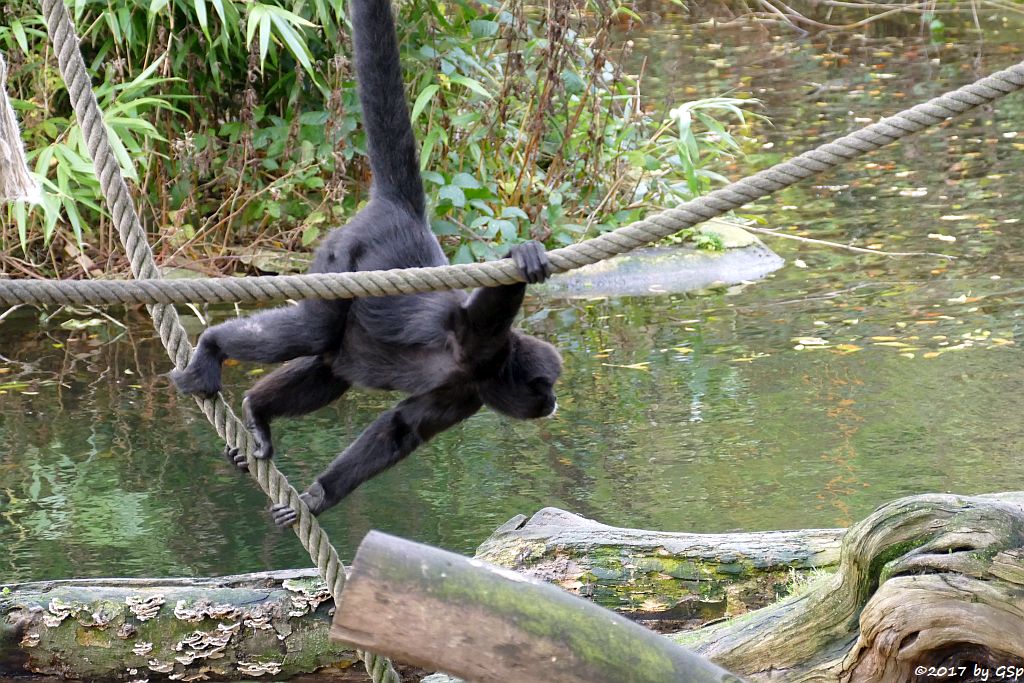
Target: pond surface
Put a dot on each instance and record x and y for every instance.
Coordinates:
(806, 400)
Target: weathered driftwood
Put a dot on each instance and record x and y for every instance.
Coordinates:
(435, 609)
(274, 625)
(655, 575)
(927, 581)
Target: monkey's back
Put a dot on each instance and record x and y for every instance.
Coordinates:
(388, 341)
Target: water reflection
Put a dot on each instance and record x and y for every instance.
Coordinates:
(805, 400)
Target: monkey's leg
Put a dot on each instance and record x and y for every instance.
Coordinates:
(391, 437)
(308, 329)
(296, 388)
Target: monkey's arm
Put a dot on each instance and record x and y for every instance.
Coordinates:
(391, 437)
(490, 310)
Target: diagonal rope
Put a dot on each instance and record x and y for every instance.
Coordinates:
(165, 318)
(464, 276)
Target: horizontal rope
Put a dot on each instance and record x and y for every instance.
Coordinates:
(464, 276)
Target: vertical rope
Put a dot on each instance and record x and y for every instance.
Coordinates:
(15, 181)
(165, 317)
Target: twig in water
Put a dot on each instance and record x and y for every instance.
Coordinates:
(860, 250)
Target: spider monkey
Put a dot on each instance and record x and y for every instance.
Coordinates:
(450, 352)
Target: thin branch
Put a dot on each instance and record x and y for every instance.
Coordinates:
(848, 247)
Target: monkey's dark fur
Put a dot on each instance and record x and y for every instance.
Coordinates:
(451, 352)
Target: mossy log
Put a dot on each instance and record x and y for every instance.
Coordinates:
(273, 625)
(436, 609)
(929, 587)
(672, 578)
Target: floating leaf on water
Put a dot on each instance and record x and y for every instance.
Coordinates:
(907, 355)
(75, 324)
(931, 354)
(941, 237)
(682, 349)
(896, 344)
(810, 341)
(14, 385)
(848, 348)
(953, 217)
(750, 359)
(884, 339)
(631, 366)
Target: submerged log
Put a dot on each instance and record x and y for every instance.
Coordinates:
(658, 576)
(929, 587)
(273, 624)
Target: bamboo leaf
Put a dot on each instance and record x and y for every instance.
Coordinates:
(200, 7)
(252, 20)
(19, 35)
(423, 99)
(264, 38)
(473, 85)
(296, 44)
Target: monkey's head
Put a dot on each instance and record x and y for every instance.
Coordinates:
(524, 387)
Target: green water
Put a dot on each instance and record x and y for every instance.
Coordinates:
(679, 413)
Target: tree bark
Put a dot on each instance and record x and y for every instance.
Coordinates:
(676, 579)
(274, 624)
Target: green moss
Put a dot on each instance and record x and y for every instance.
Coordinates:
(878, 571)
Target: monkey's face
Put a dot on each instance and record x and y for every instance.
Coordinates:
(524, 388)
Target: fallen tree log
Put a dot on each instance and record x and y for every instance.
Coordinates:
(434, 608)
(928, 587)
(271, 624)
(672, 578)
(928, 581)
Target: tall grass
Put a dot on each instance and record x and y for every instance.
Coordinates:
(238, 124)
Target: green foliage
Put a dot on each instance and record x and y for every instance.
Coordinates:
(238, 122)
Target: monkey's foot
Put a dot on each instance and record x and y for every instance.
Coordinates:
(260, 430)
(283, 515)
(202, 377)
(315, 499)
(236, 458)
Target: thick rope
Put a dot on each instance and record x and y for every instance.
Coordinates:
(165, 318)
(15, 181)
(464, 276)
